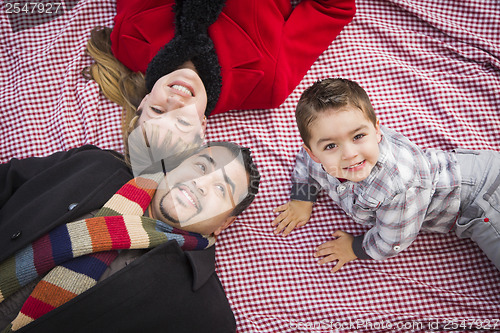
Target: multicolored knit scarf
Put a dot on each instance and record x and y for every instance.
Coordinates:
(76, 254)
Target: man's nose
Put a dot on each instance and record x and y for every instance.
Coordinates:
(201, 184)
(197, 184)
(204, 183)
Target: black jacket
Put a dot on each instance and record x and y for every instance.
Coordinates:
(165, 290)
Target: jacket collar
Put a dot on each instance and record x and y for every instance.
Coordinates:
(203, 265)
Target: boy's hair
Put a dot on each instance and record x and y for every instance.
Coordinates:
(250, 168)
(330, 94)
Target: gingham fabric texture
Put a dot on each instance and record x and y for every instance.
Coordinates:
(432, 70)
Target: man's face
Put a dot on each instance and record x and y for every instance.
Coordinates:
(200, 194)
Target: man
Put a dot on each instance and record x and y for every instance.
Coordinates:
(163, 289)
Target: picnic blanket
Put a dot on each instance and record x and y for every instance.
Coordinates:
(432, 70)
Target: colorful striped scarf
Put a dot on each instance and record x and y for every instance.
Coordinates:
(76, 254)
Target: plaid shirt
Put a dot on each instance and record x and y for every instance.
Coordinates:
(408, 190)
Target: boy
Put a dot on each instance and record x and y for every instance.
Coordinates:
(381, 179)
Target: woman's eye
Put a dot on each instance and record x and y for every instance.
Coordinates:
(183, 122)
(156, 110)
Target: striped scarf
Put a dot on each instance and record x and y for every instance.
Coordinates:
(75, 255)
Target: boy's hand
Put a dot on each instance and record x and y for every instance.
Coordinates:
(294, 214)
(339, 249)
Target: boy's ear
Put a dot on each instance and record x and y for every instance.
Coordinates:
(378, 131)
(314, 158)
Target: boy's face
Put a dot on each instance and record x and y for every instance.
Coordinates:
(345, 142)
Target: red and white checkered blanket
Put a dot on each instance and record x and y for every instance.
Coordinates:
(432, 69)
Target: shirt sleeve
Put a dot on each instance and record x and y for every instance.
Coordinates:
(304, 187)
(398, 222)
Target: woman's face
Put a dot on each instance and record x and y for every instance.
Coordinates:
(179, 96)
(171, 119)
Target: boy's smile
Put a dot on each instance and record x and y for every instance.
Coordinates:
(345, 142)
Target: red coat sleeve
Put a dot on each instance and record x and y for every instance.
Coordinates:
(307, 33)
(141, 28)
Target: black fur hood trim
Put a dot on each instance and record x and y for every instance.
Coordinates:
(191, 42)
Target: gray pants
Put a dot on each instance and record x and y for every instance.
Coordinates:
(480, 201)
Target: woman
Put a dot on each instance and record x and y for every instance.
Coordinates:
(168, 122)
(249, 54)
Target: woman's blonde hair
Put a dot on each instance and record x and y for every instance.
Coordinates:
(118, 83)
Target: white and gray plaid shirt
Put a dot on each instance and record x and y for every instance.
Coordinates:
(408, 190)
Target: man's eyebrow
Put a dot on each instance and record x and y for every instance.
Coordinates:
(350, 133)
(209, 159)
(226, 178)
(228, 181)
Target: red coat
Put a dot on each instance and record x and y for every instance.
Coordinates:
(264, 47)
